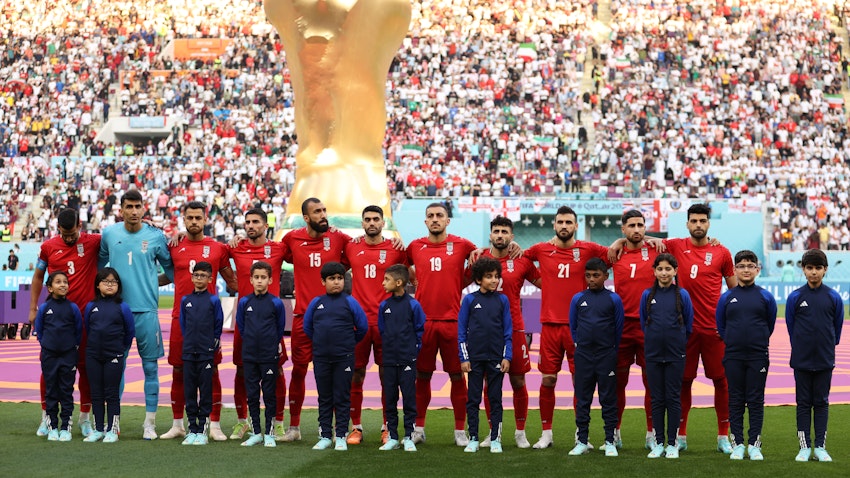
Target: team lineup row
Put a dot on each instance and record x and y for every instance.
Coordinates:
(438, 270)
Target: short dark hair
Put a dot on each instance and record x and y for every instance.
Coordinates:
(398, 272)
(699, 208)
(502, 221)
(566, 210)
(261, 265)
(68, 218)
(259, 212)
(437, 204)
(203, 266)
(746, 255)
(331, 269)
(630, 214)
(484, 265)
(372, 208)
(195, 205)
(101, 276)
(815, 257)
(132, 195)
(596, 264)
(307, 203)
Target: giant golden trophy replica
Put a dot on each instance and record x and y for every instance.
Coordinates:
(338, 53)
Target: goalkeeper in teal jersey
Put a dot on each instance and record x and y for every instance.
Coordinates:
(134, 248)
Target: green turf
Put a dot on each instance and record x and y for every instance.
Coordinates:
(438, 457)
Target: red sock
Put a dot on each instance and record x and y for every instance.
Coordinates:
(487, 405)
(459, 395)
(686, 406)
(356, 402)
(42, 390)
(647, 402)
(280, 397)
(85, 390)
(240, 396)
(423, 399)
(521, 407)
(622, 382)
(215, 414)
(547, 406)
(296, 393)
(721, 405)
(178, 394)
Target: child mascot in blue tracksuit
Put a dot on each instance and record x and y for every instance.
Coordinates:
(814, 315)
(201, 320)
(667, 319)
(746, 316)
(110, 328)
(261, 320)
(484, 335)
(335, 322)
(59, 328)
(596, 324)
(401, 322)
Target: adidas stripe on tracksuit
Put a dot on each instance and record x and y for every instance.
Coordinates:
(746, 316)
(201, 320)
(401, 322)
(335, 323)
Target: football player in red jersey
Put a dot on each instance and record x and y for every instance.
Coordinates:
(244, 254)
(515, 272)
(309, 248)
(633, 273)
(438, 267)
(194, 248)
(561, 262)
(75, 253)
(369, 258)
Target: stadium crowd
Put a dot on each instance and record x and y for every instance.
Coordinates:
(688, 98)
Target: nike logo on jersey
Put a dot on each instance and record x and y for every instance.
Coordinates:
(115, 360)
(388, 311)
(249, 309)
(477, 306)
(208, 367)
(270, 372)
(188, 305)
(49, 312)
(734, 300)
(763, 370)
(95, 310)
(804, 304)
(320, 307)
(583, 304)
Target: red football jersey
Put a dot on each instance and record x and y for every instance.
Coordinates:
(702, 270)
(245, 255)
(368, 264)
(79, 261)
(188, 253)
(439, 273)
(514, 274)
(307, 255)
(633, 274)
(562, 276)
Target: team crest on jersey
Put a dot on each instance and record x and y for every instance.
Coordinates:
(326, 241)
(267, 251)
(81, 251)
(450, 248)
(206, 252)
(708, 259)
(510, 265)
(644, 254)
(576, 255)
(382, 257)
(144, 247)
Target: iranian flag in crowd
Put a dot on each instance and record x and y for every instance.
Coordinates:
(411, 150)
(527, 51)
(623, 62)
(834, 101)
(545, 141)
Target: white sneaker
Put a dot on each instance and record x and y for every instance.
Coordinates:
(150, 432)
(545, 440)
(486, 442)
(521, 439)
(418, 435)
(293, 434)
(216, 433)
(174, 432)
(460, 438)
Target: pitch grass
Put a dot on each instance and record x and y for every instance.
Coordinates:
(26, 455)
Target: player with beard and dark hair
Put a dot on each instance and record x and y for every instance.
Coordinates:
(245, 253)
(561, 261)
(310, 247)
(369, 258)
